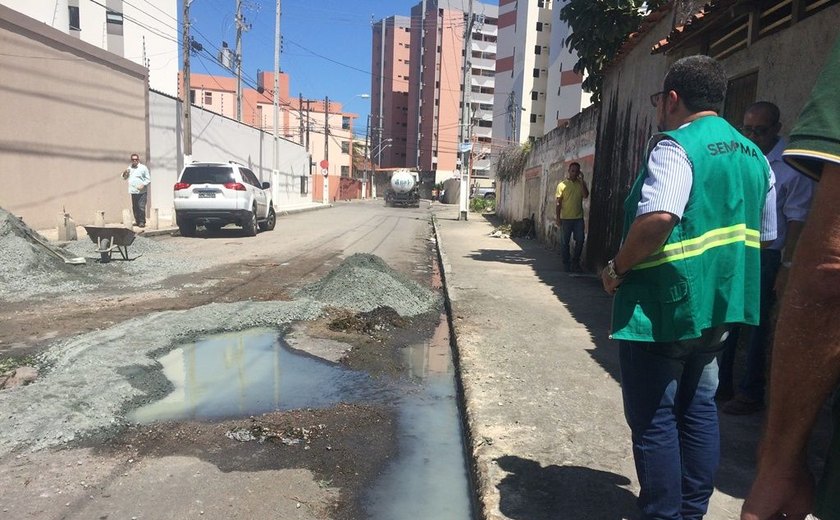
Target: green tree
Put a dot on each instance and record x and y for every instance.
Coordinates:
(599, 28)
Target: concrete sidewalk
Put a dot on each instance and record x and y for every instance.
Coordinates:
(546, 431)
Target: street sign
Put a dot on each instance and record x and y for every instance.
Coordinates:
(464, 147)
(324, 164)
(325, 172)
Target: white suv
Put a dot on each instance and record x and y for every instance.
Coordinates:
(216, 194)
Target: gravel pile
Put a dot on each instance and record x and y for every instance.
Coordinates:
(364, 282)
(28, 269)
(94, 378)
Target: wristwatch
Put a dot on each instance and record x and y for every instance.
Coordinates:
(612, 273)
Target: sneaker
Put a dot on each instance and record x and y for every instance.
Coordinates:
(141, 225)
(742, 405)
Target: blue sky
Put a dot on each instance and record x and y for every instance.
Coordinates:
(337, 30)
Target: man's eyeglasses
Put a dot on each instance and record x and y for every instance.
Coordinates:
(758, 131)
(654, 98)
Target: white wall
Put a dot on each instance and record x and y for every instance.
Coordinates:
(217, 138)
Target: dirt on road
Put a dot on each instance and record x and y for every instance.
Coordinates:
(66, 447)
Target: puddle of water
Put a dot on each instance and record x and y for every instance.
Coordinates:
(250, 373)
(428, 479)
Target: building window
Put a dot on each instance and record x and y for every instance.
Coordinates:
(345, 123)
(208, 98)
(192, 96)
(533, 118)
(534, 95)
(536, 73)
(73, 10)
(539, 26)
(345, 146)
(345, 171)
(114, 17)
(537, 49)
(540, 3)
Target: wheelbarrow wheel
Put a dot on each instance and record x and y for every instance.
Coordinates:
(105, 250)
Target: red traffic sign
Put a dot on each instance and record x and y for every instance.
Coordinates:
(324, 164)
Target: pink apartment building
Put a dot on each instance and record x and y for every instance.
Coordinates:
(435, 84)
(389, 92)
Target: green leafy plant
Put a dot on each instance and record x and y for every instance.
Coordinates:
(599, 28)
(480, 205)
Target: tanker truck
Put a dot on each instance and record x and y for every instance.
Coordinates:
(403, 189)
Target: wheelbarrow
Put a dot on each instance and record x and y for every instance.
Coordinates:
(110, 239)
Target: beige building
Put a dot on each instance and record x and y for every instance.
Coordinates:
(63, 149)
(536, 88)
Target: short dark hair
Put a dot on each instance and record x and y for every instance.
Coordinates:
(769, 108)
(574, 163)
(700, 82)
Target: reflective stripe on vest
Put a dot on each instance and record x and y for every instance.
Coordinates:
(697, 246)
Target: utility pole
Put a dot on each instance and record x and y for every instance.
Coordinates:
(464, 144)
(240, 26)
(276, 167)
(187, 102)
(382, 82)
(300, 116)
(366, 159)
(327, 149)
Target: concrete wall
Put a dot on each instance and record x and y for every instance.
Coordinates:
(72, 116)
(217, 138)
(533, 194)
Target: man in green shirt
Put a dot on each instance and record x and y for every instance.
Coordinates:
(570, 194)
(806, 353)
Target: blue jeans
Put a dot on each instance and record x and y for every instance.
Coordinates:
(571, 228)
(669, 403)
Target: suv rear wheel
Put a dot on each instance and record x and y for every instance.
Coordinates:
(186, 227)
(270, 221)
(250, 224)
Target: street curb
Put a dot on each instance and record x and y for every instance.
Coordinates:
(476, 479)
(174, 229)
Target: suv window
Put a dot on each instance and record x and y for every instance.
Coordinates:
(207, 175)
(249, 177)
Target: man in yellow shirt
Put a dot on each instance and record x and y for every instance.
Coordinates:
(570, 194)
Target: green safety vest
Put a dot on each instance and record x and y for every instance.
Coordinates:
(707, 272)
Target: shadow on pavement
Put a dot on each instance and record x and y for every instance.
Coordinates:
(533, 492)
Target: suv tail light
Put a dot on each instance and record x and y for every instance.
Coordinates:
(235, 186)
(181, 186)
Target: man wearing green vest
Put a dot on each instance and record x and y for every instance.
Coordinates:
(688, 268)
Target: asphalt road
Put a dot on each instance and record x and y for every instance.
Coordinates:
(189, 468)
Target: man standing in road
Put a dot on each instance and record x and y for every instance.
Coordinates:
(570, 194)
(138, 178)
(688, 267)
(793, 201)
(806, 354)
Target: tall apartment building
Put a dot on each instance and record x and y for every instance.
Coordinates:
(143, 32)
(536, 89)
(435, 77)
(389, 91)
